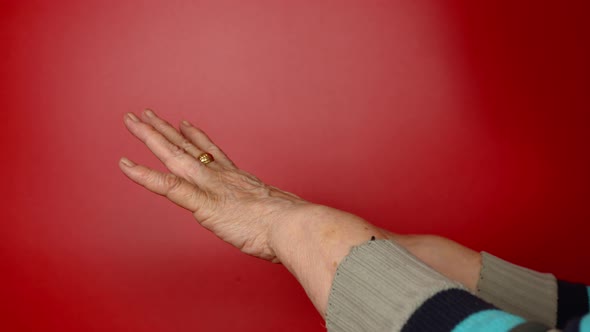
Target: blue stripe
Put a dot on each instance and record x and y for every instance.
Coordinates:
(585, 323)
(491, 320)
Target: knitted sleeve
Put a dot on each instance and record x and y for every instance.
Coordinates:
(530, 294)
(379, 286)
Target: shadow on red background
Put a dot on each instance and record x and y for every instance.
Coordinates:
(448, 117)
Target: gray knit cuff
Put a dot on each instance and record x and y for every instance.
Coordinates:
(518, 290)
(378, 286)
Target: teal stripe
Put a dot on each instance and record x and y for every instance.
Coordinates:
(585, 324)
(588, 290)
(491, 320)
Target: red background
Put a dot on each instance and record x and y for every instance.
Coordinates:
(459, 118)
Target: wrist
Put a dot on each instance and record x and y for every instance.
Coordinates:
(322, 227)
(312, 242)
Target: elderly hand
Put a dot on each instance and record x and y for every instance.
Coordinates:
(233, 204)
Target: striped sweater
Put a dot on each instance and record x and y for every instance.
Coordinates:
(379, 286)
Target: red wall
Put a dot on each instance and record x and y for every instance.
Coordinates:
(448, 117)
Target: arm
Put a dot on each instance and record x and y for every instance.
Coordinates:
(531, 294)
(260, 220)
(311, 241)
(380, 286)
(536, 296)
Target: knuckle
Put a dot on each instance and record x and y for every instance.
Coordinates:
(159, 124)
(195, 196)
(173, 182)
(186, 145)
(151, 137)
(149, 177)
(176, 151)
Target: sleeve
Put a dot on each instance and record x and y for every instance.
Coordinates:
(379, 286)
(530, 294)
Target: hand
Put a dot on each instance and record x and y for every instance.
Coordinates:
(233, 204)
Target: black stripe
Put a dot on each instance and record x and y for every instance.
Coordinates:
(572, 301)
(444, 311)
(573, 325)
(530, 327)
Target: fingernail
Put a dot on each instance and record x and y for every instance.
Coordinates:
(186, 123)
(127, 162)
(149, 113)
(132, 117)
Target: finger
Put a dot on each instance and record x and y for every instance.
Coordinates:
(172, 134)
(175, 159)
(169, 185)
(200, 139)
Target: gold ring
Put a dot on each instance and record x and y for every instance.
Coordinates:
(206, 158)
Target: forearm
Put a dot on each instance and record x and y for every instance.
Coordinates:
(449, 258)
(378, 285)
(312, 242)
